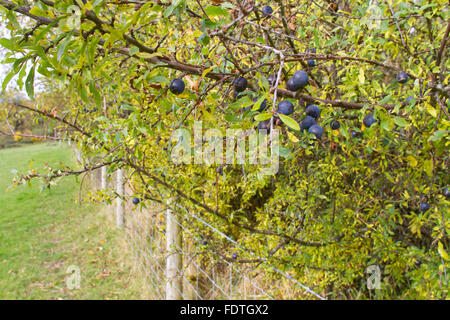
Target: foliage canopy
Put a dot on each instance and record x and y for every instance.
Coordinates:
(336, 206)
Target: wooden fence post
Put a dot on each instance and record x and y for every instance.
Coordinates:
(103, 182)
(120, 205)
(174, 262)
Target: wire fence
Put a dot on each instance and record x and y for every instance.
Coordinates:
(172, 249)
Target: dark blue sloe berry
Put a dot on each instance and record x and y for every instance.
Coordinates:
(424, 206)
(335, 125)
(369, 120)
(301, 78)
(177, 86)
(402, 77)
(272, 79)
(306, 123)
(446, 193)
(316, 130)
(285, 107)
(240, 84)
(313, 111)
(266, 11)
(264, 125)
(291, 85)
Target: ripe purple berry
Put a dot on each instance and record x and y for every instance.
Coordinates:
(301, 78)
(272, 79)
(313, 111)
(335, 125)
(316, 130)
(291, 85)
(285, 107)
(177, 86)
(424, 206)
(264, 125)
(402, 77)
(306, 123)
(446, 193)
(266, 11)
(369, 120)
(240, 84)
(311, 63)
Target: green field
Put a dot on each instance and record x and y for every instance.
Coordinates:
(43, 233)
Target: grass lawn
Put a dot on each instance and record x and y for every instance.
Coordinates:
(42, 233)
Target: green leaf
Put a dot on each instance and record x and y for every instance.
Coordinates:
(401, 122)
(7, 79)
(62, 47)
(438, 135)
(291, 123)
(263, 116)
(387, 125)
(46, 29)
(316, 38)
(264, 83)
(214, 11)
(285, 152)
(93, 89)
(209, 24)
(231, 118)
(7, 43)
(83, 93)
(171, 8)
(258, 103)
(133, 50)
(22, 74)
(386, 99)
(243, 102)
(44, 71)
(204, 39)
(29, 83)
(13, 20)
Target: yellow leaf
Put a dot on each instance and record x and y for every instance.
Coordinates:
(205, 72)
(442, 252)
(431, 110)
(361, 77)
(292, 137)
(146, 55)
(37, 12)
(428, 167)
(412, 161)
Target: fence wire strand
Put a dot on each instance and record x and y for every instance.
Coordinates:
(204, 273)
